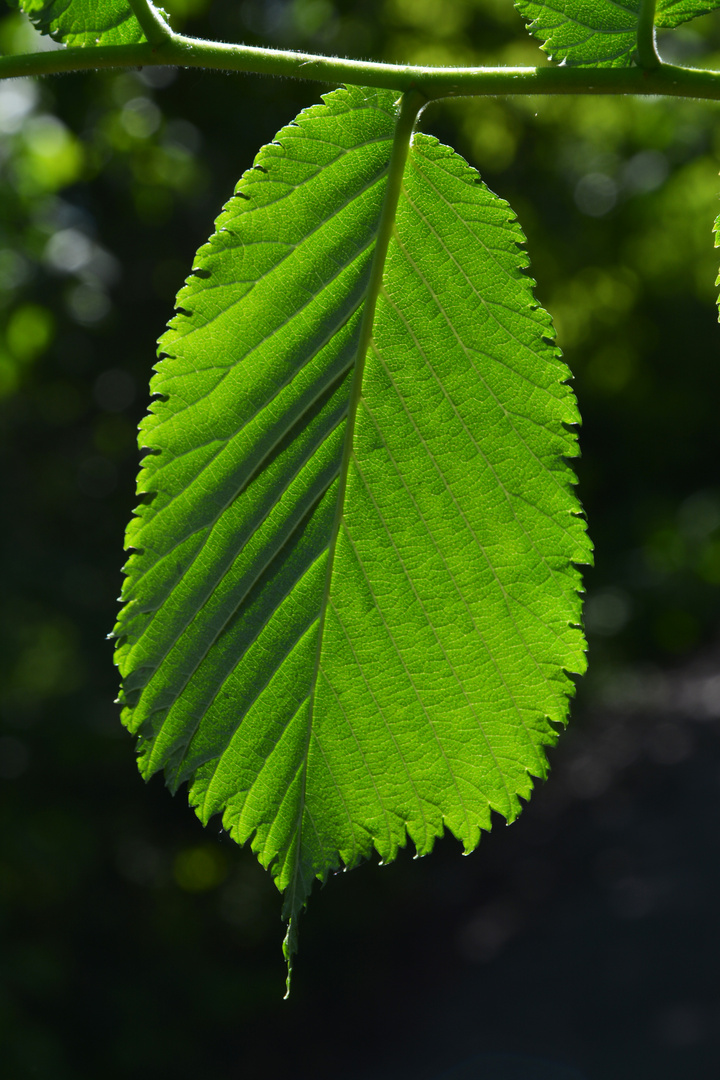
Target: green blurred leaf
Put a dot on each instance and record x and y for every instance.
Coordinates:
(601, 33)
(29, 331)
(84, 22)
(343, 627)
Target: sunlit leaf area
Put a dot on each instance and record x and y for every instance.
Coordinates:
(580, 944)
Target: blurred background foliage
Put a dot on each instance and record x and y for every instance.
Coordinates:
(136, 944)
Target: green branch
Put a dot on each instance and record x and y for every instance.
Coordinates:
(432, 83)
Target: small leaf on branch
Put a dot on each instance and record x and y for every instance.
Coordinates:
(84, 22)
(672, 13)
(600, 33)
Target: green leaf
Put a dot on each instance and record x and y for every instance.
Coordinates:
(601, 33)
(584, 32)
(671, 13)
(352, 606)
(84, 22)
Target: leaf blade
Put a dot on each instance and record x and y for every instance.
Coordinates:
(580, 33)
(672, 13)
(600, 33)
(84, 22)
(314, 611)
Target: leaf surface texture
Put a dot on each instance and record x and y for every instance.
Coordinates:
(672, 13)
(352, 604)
(600, 33)
(84, 22)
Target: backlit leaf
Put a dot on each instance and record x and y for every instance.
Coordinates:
(84, 22)
(601, 33)
(671, 13)
(353, 604)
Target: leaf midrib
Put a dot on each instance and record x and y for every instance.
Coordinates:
(410, 106)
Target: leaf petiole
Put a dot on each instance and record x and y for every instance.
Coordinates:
(154, 26)
(647, 54)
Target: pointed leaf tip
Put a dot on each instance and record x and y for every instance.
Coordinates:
(290, 947)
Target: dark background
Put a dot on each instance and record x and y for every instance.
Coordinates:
(584, 940)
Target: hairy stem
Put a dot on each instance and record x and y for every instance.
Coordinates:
(432, 83)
